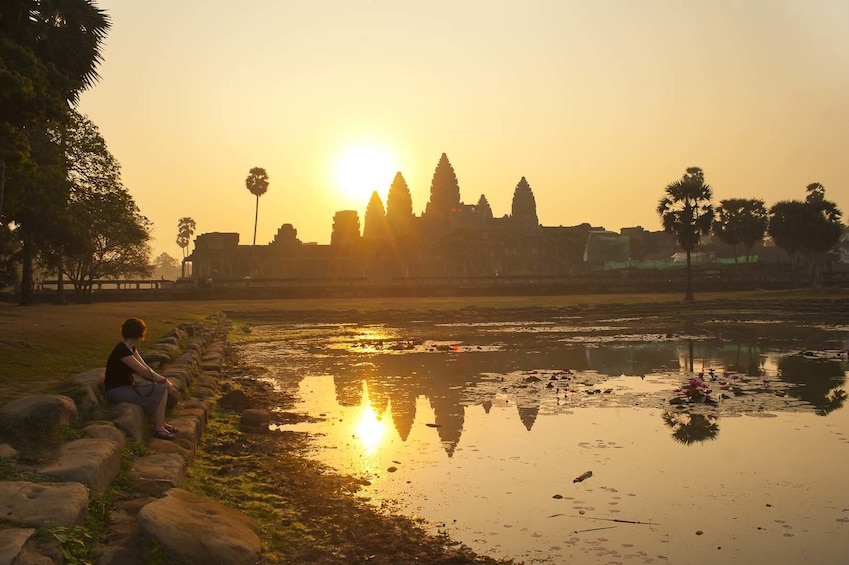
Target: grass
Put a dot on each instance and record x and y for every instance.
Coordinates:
(42, 345)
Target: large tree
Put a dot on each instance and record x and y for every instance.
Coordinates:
(741, 220)
(104, 235)
(49, 53)
(807, 230)
(687, 213)
(257, 183)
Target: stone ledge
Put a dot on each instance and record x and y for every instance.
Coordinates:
(87, 466)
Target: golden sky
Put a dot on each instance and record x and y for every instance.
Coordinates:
(598, 103)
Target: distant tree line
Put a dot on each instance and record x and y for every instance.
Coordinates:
(806, 229)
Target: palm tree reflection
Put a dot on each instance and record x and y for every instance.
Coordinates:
(691, 428)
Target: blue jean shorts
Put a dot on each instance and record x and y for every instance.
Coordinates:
(146, 395)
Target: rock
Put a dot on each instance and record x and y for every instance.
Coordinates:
(106, 430)
(156, 473)
(92, 462)
(7, 451)
(156, 357)
(131, 419)
(12, 542)
(197, 530)
(33, 504)
(50, 410)
(255, 417)
(235, 401)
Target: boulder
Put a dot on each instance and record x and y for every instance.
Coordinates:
(106, 430)
(235, 401)
(255, 417)
(12, 542)
(155, 473)
(43, 410)
(90, 461)
(131, 419)
(196, 530)
(33, 504)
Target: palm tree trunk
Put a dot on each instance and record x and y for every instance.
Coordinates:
(688, 295)
(256, 217)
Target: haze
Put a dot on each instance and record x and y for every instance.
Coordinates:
(598, 104)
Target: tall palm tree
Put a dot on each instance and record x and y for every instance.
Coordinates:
(257, 183)
(687, 213)
(185, 231)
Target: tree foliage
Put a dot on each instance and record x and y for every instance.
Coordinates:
(185, 230)
(104, 233)
(741, 221)
(806, 230)
(687, 213)
(49, 53)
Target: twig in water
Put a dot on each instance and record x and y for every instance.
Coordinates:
(595, 529)
(607, 519)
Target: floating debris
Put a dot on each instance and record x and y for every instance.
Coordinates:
(582, 477)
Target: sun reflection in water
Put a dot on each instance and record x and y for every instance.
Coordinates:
(370, 429)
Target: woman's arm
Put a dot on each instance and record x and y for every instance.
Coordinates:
(141, 368)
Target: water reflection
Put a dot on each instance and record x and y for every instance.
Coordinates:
(370, 430)
(483, 426)
(820, 380)
(692, 428)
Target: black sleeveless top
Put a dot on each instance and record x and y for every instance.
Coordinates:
(117, 372)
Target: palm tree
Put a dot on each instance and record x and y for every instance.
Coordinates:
(185, 231)
(257, 183)
(687, 213)
(65, 36)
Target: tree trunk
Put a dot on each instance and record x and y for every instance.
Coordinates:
(60, 283)
(256, 217)
(26, 269)
(688, 295)
(2, 181)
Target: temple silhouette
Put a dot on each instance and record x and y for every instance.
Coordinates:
(449, 239)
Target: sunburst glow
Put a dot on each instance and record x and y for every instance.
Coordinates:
(361, 170)
(370, 430)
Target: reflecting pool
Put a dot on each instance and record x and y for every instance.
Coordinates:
(556, 441)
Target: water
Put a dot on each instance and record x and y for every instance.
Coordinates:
(730, 442)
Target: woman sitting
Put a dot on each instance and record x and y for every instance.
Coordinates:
(123, 365)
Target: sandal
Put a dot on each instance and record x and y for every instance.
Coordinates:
(170, 428)
(163, 434)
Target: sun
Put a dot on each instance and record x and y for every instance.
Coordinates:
(361, 170)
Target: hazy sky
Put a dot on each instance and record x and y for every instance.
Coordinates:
(598, 103)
